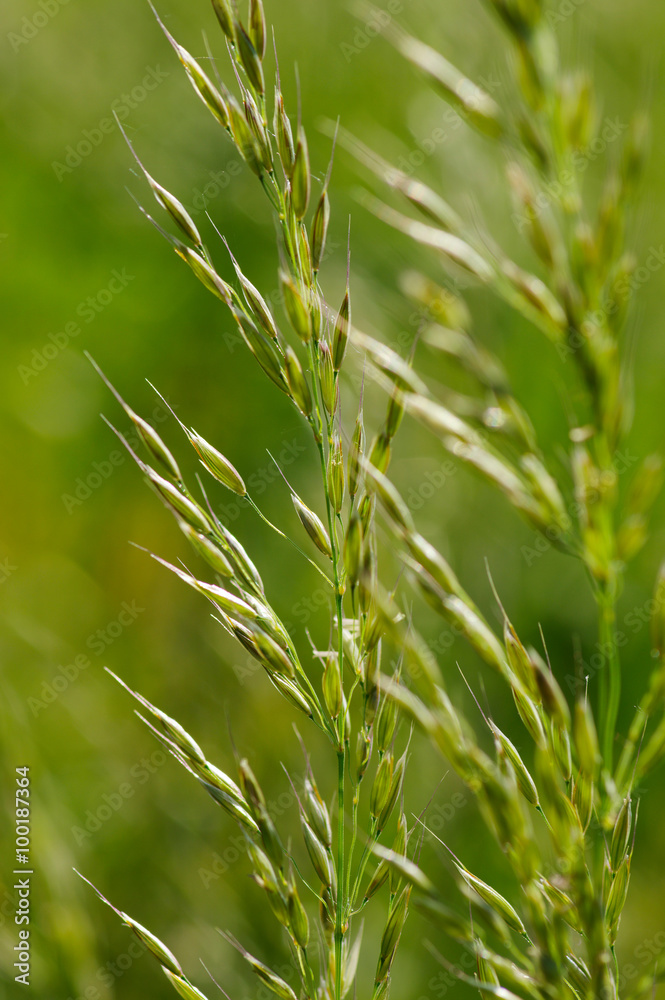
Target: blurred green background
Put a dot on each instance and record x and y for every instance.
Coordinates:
(82, 270)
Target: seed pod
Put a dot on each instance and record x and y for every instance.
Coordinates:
(562, 754)
(332, 687)
(206, 275)
(257, 27)
(355, 453)
(518, 658)
(217, 465)
(176, 210)
(586, 739)
(381, 786)
(250, 60)
(218, 779)
(326, 914)
(298, 314)
(270, 978)
(552, 696)
(405, 868)
(203, 86)
(579, 975)
(244, 138)
(265, 352)
(163, 954)
(297, 382)
(353, 548)
(155, 445)
(302, 180)
(186, 508)
(317, 813)
(561, 902)
(528, 713)
(251, 789)
(363, 751)
(272, 653)
(255, 121)
(298, 921)
(395, 412)
(257, 304)
(386, 724)
(282, 127)
(525, 782)
(318, 855)
(621, 834)
(328, 385)
(313, 526)
(583, 799)
(379, 453)
(207, 550)
(335, 474)
(292, 693)
(390, 498)
(486, 972)
(320, 230)
(341, 335)
(493, 899)
(182, 986)
(391, 934)
(395, 788)
(224, 14)
(616, 899)
(378, 879)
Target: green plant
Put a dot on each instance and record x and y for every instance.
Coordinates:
(565, 817)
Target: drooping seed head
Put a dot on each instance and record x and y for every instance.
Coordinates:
(320, 230)
(332, 687)
(250, 59)
(183, 986)
(156, 947)
(341, 334)
(224, 14)
(217, 465)
(301, 181)
(313, 526)
(257, 27)
(296, 310)
(297, 382)
(176, 210)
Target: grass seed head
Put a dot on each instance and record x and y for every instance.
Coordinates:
(292, 693)
(186, 508)
(301, 182)
(318, 854)
(313, 526)
(217, 465)
(296, 310)
(156, 446)
(328, 381)
(320, 230)
(586, 739)
(176, 210)
(284, 133)
(297, 381)
(341, 334)
(298, 922)
(163, 954)
(250, 59)
(621, 834)
(257, 27)
(207, 549)
(332, 687)
(183, 986)
(224, 14)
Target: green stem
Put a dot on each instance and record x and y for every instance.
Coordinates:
(339, 930)
(610, 686)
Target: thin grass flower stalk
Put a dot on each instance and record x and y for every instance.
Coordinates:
(558, 796)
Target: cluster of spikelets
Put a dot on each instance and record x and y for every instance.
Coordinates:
(562, 811)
